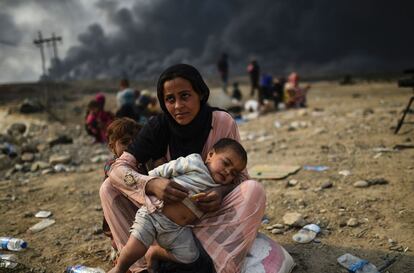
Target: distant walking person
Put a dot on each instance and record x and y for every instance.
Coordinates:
(223, 68)
(254, 72)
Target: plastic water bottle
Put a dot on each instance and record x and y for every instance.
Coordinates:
(356, 265)
(14, 244)
(8, 261)
(83, 269)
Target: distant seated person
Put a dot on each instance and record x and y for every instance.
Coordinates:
(294, 95)
(278, 89)
(236, 94)
(235, 108)
(145, 105)
(97, 119)
(125, 99)
(265, 92)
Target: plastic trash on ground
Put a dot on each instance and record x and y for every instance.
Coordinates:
(306, 234)
(43, 214)
(8, 261)
(42, 225)
(315, 168)
(14, 244)
(356, 265)
(83, 269)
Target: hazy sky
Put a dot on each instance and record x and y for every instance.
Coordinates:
(105, 38)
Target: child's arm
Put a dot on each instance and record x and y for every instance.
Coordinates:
(173, 168)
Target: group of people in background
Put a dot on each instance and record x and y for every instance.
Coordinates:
(134, 104)
(267, 88)
(139, 105)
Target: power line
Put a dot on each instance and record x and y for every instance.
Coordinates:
(14, 46)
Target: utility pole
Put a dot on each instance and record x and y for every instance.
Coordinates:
(45, 81)
(40, 41)
(54, 40)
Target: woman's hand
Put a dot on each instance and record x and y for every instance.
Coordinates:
(211, 201)
(166, 190)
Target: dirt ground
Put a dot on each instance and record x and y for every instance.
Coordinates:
(343, 128)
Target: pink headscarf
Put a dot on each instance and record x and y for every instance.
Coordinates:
(293, 78)
(100, 98)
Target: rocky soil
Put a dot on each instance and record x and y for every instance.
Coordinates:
(363, 201)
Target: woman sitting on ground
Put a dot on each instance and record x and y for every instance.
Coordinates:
(188, 125)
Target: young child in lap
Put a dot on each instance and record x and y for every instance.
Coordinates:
(170, 226)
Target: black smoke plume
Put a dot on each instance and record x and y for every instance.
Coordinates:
(313, 37)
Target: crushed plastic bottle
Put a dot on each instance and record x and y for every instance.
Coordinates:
(315, 168)
(13, 244)
(83, 269)
(356, 265)
(8, 261)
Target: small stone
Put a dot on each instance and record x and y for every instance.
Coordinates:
(265, 221)
(17, 128)
(361, 184)
(391, 241)
(42, 147)
(100, 158)
(39, 165)
(29, 148)
(377, 181)
(345, 172)
(27, 157)
(378, 155)
(352, 222)
(278, 226)
(326, 185)
(60, 168)
(277, 231)
(301, 202)
(47, 171)
(59, 159)
(292, 182)
(97, 230)
(4, 162)
(294, 219)
(28, 214)
(62, 139)
(86, 169)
